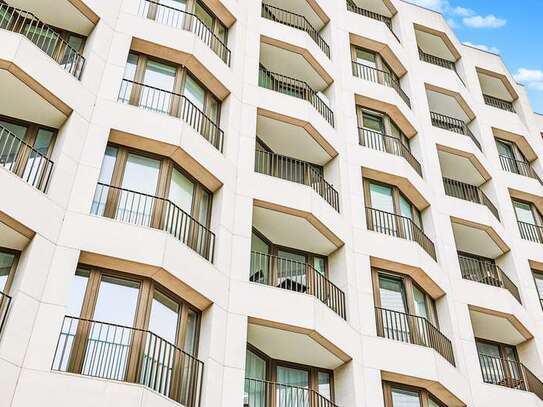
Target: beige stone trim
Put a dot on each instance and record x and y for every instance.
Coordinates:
(383, 49)
(522, 330)
(469, 156)
(391, 110)
(319, 11)
(485, 228)
(16, 226)
(444, 37)
(521, 142)
(512, 92)
(457, 96)
(85, 10)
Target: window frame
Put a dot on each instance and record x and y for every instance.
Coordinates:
(538, 218)
(12, 270)
(387, 122)
(424, 395)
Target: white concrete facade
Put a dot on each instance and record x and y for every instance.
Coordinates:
(52, 232)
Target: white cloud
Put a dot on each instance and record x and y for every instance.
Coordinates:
(462, 12)
(532, 78)
(490, 21)
(483, 47)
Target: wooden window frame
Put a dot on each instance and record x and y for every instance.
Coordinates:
(538, 218)
(503, 355)
(13, 268)
(538, 274)
(217, 23)
(388, 124)
(517, 152)
(424, 395)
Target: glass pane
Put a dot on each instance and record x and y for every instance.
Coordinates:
(70, 58)
(255, 366)
(325, 385)
(77, 293)
(18, 130)
(191, 331)
(291, 271)
(6, 261)
(106, 172)
(203, 213)
(405, 207)
(392, 293)
(177, 4)
(136, 200)
(492, 366)
(297, 396)
(37, 167)
(204, 16)
(432, 403)
(420, 303)
(255, 390)
(539, 284)
(319, 263)
(160, 80)
(164, 317)
(181, 191)
(45, 39)
(260, 262)
(259, 245)
(129, 76)
(524, 212)
(117, 301)
(367, 58)
(381, 197)
(11, 147)
(372, 122)
(213, 109)
(505, 149)
(194, 93)
(221, 32)
(405, 398)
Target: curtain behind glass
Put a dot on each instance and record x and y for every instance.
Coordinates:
(405, 398)
(256, 389)
(293, 387)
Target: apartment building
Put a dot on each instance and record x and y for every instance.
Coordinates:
(264, 203)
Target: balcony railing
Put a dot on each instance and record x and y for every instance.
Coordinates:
(126, 354)
(351, 6)
(388, 144)
(294, 87)
(43, 36)
(413, 329)
(5, 302)
(296, 276)
(263, 393)
(381, 77)
(468, 192)
(296, 21)
(499, 103)
(24, 160)
(509, 373)
(486, 272)
(398, 226)
(142, 209)
(432, 59)
(298, 171)
(173, 104)
(454, 125)
(518, 167)
(531, 232)
(183, 20)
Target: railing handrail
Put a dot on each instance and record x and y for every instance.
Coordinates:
(309, 29)
(351, 6)
(518, 167)
(419, 232)
(390, 79)
(404, 151)
(35, 20)
(453, 124)
(5, 302)
(226, 58)
(435, 60)
(443, 345)
(531, 231)
(329, 194)
(469, 192)
(318, 103)
(499, 103)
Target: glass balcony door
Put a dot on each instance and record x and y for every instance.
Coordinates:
(393, 297)
(297, 393)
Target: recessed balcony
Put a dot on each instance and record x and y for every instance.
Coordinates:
(376, 10)
(298, 15)
(436, 48)
(498, 92)
(470, 193)
(529, 219)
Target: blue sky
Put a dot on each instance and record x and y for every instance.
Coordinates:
(514, 29)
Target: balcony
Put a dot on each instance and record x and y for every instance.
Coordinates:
(294, 170)
(519, 167)
(183, 20)
(353, 7)
(151, 211)
(296, 276)
(509, 373)
(388, 144)
(381, 77)
(398, 226)
(24, 160)
(173, 104)
(499, 103)
(452, 124)
(5, 302)
(468, 192)
(435, 60)
(412, 329)
(296, 88)
(486, 272)
(531, 232)
(44, 37)
(260, 393)
(120, 353)
(297, 21)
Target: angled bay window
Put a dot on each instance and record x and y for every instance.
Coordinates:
(127, 328)
(512, 159)
(400, 395)
(149, 190)
(538, 280)
(270, 382)
(163, 87)
(530, 221)
(25, 149)
(8, 264)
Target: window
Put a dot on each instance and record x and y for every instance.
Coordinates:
(8, 264)
(376, 125)
(538, 280)
(290, 383)
(211, 22)
(526, 212)
(511, 158)
(499, 363)
(399, 395)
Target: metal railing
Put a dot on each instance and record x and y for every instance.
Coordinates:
(301, 172)
(43, 36)
(173, 104)
(452, 124)
(294, 87)
(468, 192)
(531, 232)
(351, 6)
(5, 302)
(398, 226)
(413, 329)
(381, 77)
(296, 276)
(116, 352)
(263, 393)
(432, 59)
(509, 373)
(518, 167)
(499, 103)
(142, 209)
(184, 20)
(24, 160)
(296, 21)
(388, 144)
(486, 272)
